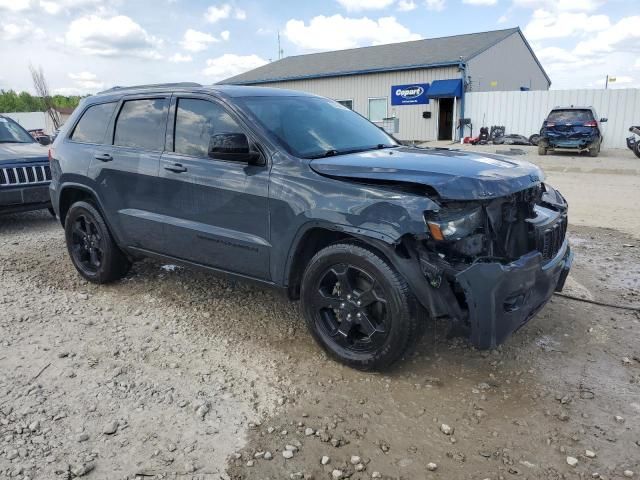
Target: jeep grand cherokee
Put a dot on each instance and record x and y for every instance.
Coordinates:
(300, 193)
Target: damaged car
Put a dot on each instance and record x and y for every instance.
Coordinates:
(295, 191)
(576, 128)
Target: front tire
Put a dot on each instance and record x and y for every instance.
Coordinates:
(359, 308)
(91, 246)
(542, 148)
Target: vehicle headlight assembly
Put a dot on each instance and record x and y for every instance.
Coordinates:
(455, 225)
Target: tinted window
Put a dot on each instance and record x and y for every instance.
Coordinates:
(141, 124)
(11, 132)
(196, 122)
(93, 124)
(313, 126)
(346, 103)
(570, 116)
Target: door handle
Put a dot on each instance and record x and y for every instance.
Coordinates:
(176, 168)
(103, 157)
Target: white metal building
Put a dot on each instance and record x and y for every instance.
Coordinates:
(421, 85)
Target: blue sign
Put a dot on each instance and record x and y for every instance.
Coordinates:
(413, 94)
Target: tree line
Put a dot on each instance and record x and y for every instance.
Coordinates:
(11, 101)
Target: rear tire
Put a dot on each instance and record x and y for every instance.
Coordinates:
(594, 150)
(636, 150)
(91, 246)
(359, 308)
(542, 148)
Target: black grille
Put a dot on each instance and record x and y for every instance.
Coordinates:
(549, 238)
(10, 176)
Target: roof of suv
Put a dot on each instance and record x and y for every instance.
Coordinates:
(226, 90)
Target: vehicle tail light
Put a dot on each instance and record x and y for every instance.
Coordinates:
(550, 124)
(592, 123)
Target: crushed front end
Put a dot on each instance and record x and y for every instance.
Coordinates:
(495, 263)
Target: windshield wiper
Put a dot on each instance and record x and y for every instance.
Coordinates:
(11, 141)
(333, 152)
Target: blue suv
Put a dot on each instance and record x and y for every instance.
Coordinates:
(572, 127)
(299, 193)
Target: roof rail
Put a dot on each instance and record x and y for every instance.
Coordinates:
(151, 85)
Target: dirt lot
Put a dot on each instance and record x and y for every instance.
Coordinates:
(175, 374)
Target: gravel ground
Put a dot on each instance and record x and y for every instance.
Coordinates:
(171, 373)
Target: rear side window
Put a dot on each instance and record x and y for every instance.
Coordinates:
(141, 124)
(93, 125)
(196, 122)
(570, 116)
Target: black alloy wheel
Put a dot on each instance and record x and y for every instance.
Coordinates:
(359, 308)
(91, 247)
(351, 309)
(87, 245)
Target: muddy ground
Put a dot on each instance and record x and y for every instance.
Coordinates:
(172, 373)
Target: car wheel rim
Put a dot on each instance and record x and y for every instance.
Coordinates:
(351, 310)
(86, 244)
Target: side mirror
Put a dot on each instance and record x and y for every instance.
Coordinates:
(44, 140)
(232, 146)
(603, 120)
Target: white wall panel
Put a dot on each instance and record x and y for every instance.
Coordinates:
(524, 112)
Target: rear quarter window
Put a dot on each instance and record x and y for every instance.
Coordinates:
(570, 116)
(92, 126)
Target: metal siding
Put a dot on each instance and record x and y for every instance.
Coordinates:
(524, 112)
(362, 87)
(508, 62)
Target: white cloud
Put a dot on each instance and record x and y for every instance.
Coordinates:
(229, 64)
(503, 19)
(338, 32)
(545, 24)
(359, 5)
(225, 35)
(23, 30)
(86, 80)
(480, 2)
(216, 13)
(435, 5)
(180, 58)
(113, 36)
(406, 5)
(637, 65)
(195, 41)
(15, 5)
(623, 36)
(560, 5)
(54, 7)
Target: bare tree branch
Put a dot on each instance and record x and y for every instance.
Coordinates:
(42, 90)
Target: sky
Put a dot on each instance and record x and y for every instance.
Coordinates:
(85, 46)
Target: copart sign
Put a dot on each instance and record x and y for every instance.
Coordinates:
(414, 94)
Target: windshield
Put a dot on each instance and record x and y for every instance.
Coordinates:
(11, 132)
(570, 116)
(312, 127)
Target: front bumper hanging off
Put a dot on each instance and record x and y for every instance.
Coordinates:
(502, 298)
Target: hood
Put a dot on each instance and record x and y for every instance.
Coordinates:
(23, 152)
(453, 174)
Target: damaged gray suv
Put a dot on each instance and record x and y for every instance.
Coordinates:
(297, 192)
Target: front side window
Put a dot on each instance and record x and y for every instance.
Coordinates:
(93, 125)
(196, 121)
(141, 124)
(377, 109)
(311, 127)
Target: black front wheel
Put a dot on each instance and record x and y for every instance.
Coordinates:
(358, 308)
(91, 247)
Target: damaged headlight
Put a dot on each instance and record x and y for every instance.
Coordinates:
(455, 224)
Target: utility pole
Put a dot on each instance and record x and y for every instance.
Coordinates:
(606, 83)
(280, 51)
